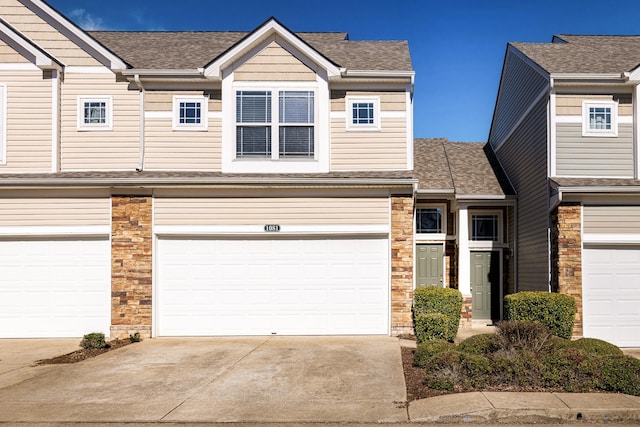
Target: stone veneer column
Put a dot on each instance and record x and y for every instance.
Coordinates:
(401, 265)
(131, 272)
(567, 256)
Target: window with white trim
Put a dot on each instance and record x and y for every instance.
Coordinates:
(430, 220)
(599, 118)
(190, 113)
(485, 227)
(286, 120)
(363, 113)
(94, 113)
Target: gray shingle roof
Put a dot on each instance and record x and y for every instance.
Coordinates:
(467, 168)
(191, 50)
(585, 54)
(597, 182)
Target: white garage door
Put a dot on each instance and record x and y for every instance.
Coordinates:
(54, 288)
(278, 286)
(611, 295)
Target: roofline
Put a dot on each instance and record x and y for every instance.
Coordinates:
(590, 76)
(431, 192)
(41, 58)
(374, 73)
(599, 189)
(44, 11)
(466, 197)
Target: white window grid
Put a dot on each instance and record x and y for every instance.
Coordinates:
(600, 118)
(95, 113)
(363, 113)
(190, 113)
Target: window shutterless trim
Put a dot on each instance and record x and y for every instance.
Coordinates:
(196, 109)
(362, 113)
(103, 122)
(600, 107)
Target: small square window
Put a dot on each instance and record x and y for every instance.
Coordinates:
(94, 113)
(484, 227)
(429, 220)
(190, 113)
(363, 113)
(599, 118)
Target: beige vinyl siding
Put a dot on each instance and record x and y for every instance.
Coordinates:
(611, 219)
(520, 84)
(49, 211)
(524, 159)
(182, 150)
(29, 117)
(260, 211)
(389, 101)
(274, 63)
(44, 35)
(385, 149)
(163, 101)
(593, 156)
(9, 56)
(116, 149)
(571, 105)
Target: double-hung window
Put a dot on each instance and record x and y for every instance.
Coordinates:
(599, 118)
(190, 113)
(94, 113)
(284, 118)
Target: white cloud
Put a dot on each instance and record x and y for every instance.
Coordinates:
(86, 21)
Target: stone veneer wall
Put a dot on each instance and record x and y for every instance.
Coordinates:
(131, 268)
(566, 254)
(401, 265)
(466, 319)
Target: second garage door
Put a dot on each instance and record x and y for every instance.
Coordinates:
(611, 294)
(288, 286)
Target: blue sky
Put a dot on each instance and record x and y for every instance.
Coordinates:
(457, 47)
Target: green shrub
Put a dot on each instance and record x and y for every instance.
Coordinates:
(555, 311)
(135, 337)
(514, 335)
(596, 346)
(433, 326)
(517, 368)
(620, 374)
(425, 350)
(482, 344)
(94, 340)
(444, 301)
(456, 371)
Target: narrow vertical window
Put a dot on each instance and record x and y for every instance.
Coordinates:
(253, 124)
(296, 130)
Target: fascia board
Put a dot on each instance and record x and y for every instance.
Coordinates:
(75, 33)
(26, 48)
(588, 76)
(610, 189)
(214, 69)
(634, 75)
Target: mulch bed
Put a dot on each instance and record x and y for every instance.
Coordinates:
(82, 354)
(414, 378)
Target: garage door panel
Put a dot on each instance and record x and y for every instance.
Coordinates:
(611, 294)
(283, 286)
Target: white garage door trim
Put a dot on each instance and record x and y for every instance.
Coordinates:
(611, 294)
(54, 287)
(261, 308)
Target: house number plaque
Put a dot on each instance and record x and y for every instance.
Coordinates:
(272, 228)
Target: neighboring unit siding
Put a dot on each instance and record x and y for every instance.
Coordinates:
(44, 35)
(29, 121)
(577, 155)
(260, 211)
(54, 211)
(274, 63)
(524, 158)
(116, 149)
(519, 87)
(370, 150)
(611, 219)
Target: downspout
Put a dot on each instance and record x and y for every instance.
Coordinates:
(140, 167)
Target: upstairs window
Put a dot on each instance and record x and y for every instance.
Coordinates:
(429, 220)
(190, 113)
(363, 113)
(286, 120)
(94, 113)
(484, 227)
(599, 118)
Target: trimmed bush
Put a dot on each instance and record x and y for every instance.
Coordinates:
(430, 300)
(620, 374)
(457, 371)
(555, 311)
(425, 350)
(94, 340)
(596, 346)
(482, 344)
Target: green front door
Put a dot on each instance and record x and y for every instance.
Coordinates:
(429, 265)
(485, 284)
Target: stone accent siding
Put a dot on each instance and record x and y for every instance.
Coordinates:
(466, 320)
(131, 270)
(567, 256)
(401, 265)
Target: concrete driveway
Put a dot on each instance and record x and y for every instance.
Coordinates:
(267, 379)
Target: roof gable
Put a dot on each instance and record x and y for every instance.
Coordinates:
(271, 30)
(24, 47)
